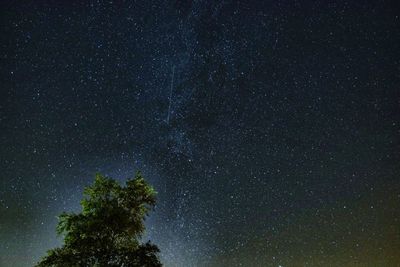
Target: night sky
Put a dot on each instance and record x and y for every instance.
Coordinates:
(270, 129)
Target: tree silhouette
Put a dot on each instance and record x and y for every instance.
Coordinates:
(108, 230)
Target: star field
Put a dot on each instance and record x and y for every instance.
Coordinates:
(270, 129)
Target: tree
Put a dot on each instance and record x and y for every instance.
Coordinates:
(108, 230)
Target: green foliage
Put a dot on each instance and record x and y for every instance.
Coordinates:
(108, 230)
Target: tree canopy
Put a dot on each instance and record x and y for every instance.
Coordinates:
(108, 230)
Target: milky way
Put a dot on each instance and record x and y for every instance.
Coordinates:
(270, 129)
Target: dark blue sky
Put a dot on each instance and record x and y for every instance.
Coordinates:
(270, 129)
